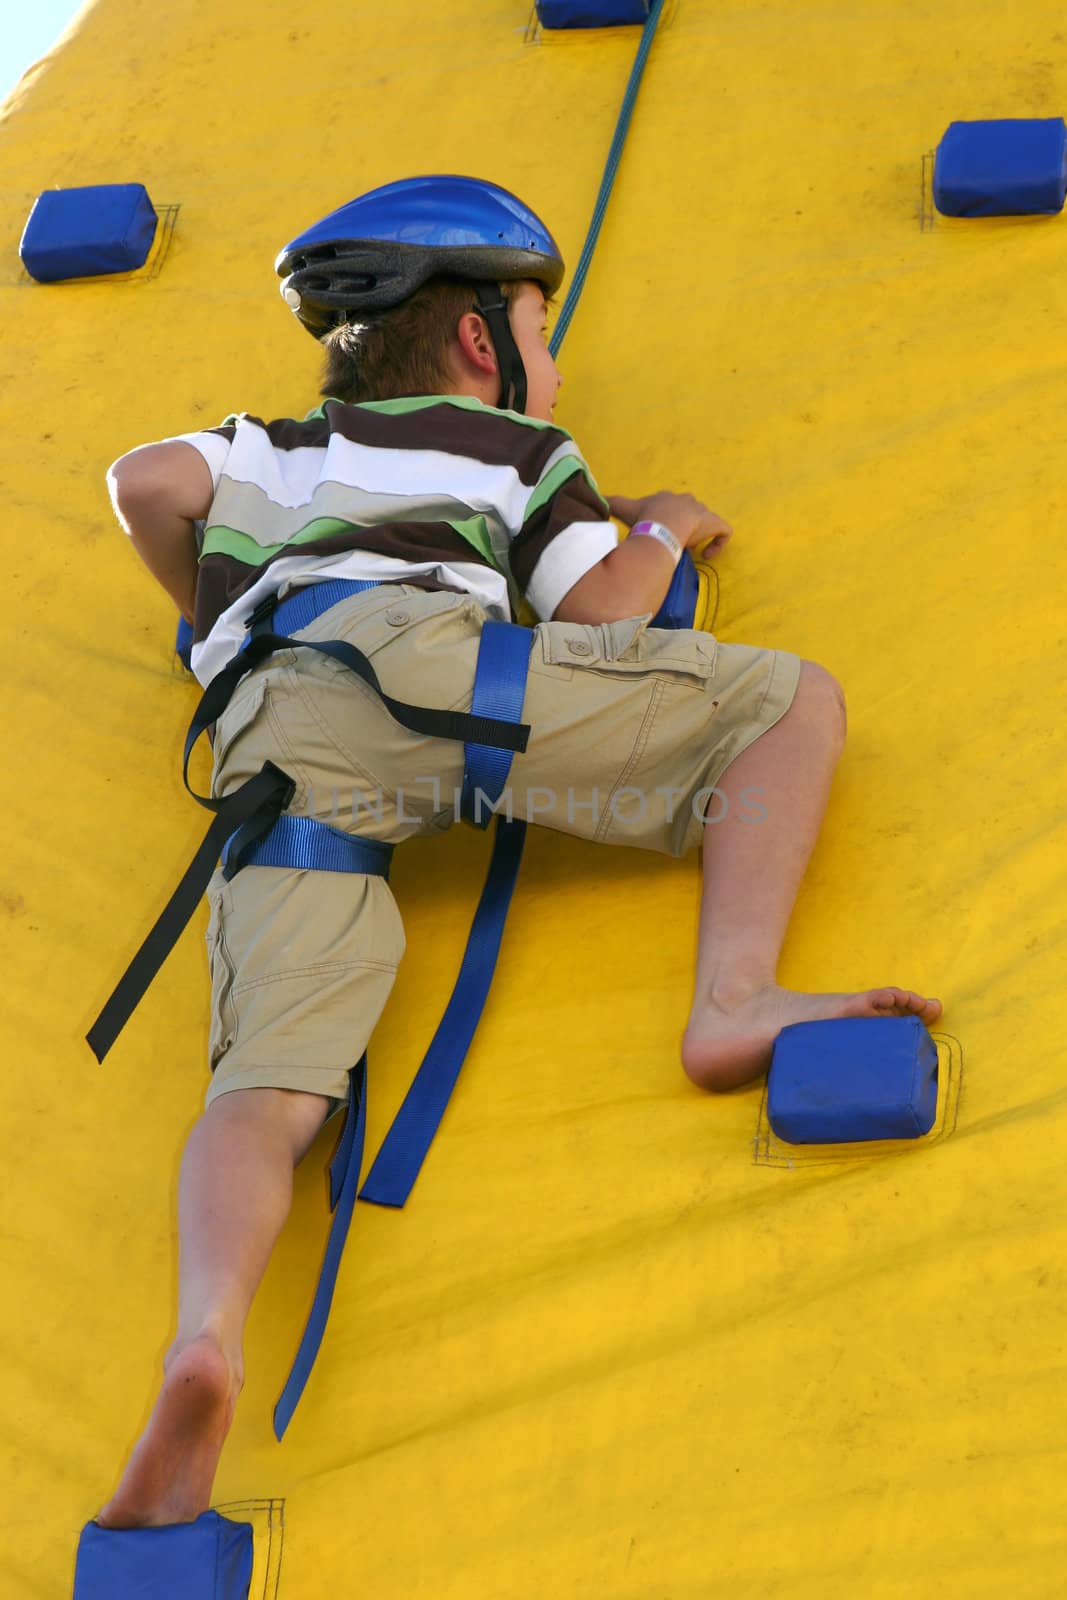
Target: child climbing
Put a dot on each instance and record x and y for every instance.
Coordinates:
(434, 487)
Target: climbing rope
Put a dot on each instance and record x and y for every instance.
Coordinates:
(607, 182)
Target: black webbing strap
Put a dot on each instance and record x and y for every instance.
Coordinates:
(436, 724)
(494, 308)
(257, 804)
(255, 807)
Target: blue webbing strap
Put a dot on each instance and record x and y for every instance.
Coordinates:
(499, 691)
(302, 842)
(344, 1177)
(400, 1158)
(305, 605)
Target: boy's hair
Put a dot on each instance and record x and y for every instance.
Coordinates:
(386, 355)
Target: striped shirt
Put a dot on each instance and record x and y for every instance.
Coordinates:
(438, 490)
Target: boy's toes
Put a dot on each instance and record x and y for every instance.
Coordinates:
(905, 1002)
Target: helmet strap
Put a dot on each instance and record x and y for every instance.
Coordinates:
(494, 308)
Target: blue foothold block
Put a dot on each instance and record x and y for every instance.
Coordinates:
(852, 1079)
(591, 13)
(183, 644)
(209, 1559)
(1015, 167)
(85, 233)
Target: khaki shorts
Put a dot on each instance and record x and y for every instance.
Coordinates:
(631, 728)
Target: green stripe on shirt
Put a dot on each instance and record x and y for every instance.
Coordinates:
(220, 540)
(476, 532)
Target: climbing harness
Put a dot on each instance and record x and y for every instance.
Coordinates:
(250, 830)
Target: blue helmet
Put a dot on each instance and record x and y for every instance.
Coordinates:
(376, 251)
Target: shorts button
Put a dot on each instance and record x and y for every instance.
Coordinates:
(397, 616)
(579, 647)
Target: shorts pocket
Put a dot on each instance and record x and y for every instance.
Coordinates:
(238, 717)
(223, 1030)
(630, 648)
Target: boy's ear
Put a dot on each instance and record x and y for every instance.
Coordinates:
(472, 336)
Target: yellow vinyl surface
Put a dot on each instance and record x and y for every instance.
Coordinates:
(620, 1343)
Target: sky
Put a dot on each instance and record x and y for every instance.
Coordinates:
(29, 29)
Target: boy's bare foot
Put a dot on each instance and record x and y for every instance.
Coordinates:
(727, 1044)
(171, 1471)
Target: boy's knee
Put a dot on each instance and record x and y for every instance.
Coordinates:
(820, 692)
(297, 1114)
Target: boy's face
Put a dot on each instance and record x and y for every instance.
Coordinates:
(529, 318)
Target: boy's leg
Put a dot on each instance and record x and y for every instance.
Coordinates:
(234, 1196)
(752, 871)
(675, 712)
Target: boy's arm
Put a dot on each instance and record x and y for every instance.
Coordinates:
(634, 578)
(158, 492)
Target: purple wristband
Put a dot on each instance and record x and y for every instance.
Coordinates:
(656, 530)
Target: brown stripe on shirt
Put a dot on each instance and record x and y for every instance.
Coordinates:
(285, 434)
(481, 435)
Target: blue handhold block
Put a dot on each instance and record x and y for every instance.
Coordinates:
(183, 644)
(591, 13)
(1016, 167)
(680, 602)
(209, 1559)
(853, 1078)
(84, 233)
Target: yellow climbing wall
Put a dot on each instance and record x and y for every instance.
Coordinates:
(620, 1342)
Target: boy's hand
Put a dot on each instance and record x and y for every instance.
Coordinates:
(693, 525)
(634, 576)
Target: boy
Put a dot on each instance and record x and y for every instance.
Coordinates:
(452, 507)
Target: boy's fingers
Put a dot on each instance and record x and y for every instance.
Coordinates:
(711, 544)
